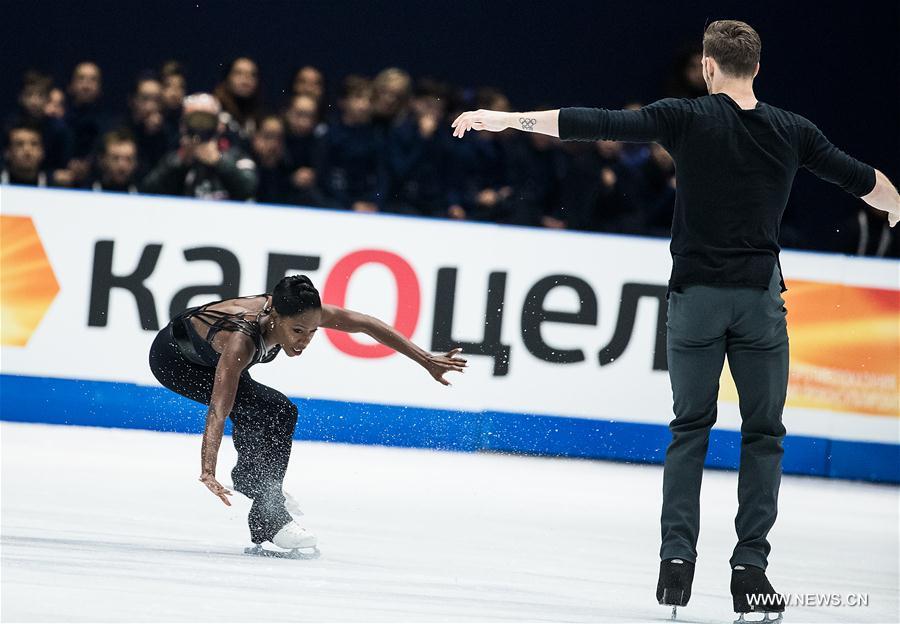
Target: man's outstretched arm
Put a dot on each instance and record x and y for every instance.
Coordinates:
(884, 197)
(544, 122)
(663, 121)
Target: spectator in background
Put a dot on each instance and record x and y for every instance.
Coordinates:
(596, 192)
(352, 166)
(202, 166)
(417, 156)
(118, 163)
(655, 192)
(56, 104)
(537, 167)
(57, 140)
(272, 170)
(308, 80)
(174, 89)
(479, 184)
(85, 117)
(146, 122)
(24, 155)
(634, 155)
(686, 76)
(391, 93)
(240, 96)
(304, 142)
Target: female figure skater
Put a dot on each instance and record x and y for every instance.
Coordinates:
(205, 354)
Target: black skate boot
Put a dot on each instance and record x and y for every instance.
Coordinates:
(752, 593)
(674, 587)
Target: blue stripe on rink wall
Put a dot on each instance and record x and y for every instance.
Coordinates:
(123, 405)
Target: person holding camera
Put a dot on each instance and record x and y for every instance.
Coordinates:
(203, 165)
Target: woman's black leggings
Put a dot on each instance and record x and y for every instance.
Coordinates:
(263, 420)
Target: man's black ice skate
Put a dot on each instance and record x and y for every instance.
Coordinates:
(674, 587)
(752, 593)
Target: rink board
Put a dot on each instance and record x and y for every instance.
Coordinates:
(564, 331)
(103, 404)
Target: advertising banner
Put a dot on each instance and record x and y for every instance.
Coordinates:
(556, 325)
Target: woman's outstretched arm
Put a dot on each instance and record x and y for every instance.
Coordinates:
(341, 319)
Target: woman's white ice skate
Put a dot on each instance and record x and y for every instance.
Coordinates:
(297, 542)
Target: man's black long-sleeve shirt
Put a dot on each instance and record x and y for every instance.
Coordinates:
(735, 169)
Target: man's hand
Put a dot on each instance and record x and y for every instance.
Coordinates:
(208, 153)
(153, 123)
(304, 177)
(364, 206)
(439, 365)
(427, 125)
(884, 197)
(492, 121)
(209, 480)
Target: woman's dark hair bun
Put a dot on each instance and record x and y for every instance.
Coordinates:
(295, 294)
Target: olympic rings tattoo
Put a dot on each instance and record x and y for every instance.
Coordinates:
(527, 124)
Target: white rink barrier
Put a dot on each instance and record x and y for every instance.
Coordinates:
(564, 331)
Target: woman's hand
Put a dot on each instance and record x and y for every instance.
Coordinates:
(439, 365)
(209, 480)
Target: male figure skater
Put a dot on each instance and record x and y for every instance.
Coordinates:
(736, 158)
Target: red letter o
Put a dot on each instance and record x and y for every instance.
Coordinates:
(408, 298)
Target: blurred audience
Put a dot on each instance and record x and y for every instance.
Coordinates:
(24, 155)
(479, 177)
(240, 96)
(304, 144)
(308, 80)
(118, 163)
(146, 122)
(203, 166)
(417, 154)
(352, 169)
(174, 88)
(56, 104)
(85, 117)
(686, 76)
(272, 169)
(383, 144)
(34, 96)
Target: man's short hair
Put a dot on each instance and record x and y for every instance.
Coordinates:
(171, 68)
(145, 75)
(24, 124)
(114, 137)
(39, 81)
(356, 86)
(734, 45)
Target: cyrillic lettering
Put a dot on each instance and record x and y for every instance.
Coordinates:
(103, 281)
(534, 315)
(625, 324)
(442, 336)
(229, 287)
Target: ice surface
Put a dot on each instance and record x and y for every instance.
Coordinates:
(104, 525)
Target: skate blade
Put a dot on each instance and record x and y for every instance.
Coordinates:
(297, 553)
(765, 618)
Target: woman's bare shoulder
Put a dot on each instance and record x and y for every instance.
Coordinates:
(253, 304)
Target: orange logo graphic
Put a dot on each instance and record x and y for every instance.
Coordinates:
(27, 283)
(845, 348)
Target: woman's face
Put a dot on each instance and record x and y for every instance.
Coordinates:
(294, 333)
(243, 78)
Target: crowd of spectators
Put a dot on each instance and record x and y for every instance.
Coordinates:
(368, 144)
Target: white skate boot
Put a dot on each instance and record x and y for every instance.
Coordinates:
(292, 536)
(298, 543)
